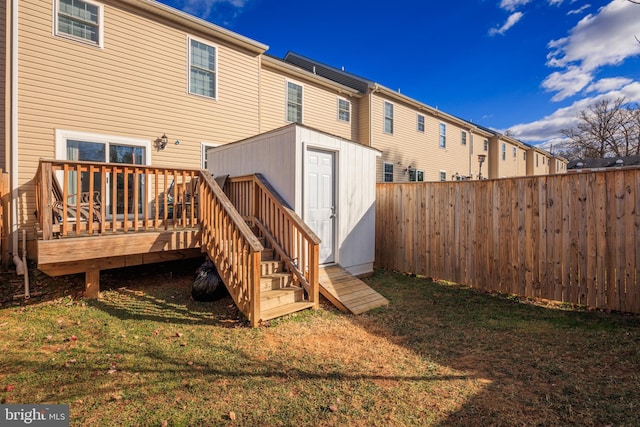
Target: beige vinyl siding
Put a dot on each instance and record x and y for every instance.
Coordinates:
(319, 104)
(420, 150)
(362, 105)
(135, 87)
(541, 168)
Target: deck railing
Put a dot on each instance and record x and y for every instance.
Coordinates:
(294, 242)
(84, 198)
(234, 249)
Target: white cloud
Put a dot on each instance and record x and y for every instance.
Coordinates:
(512, 5)
(605, 38)
(555, 2)
(608, 85)
(511, 21)
(579, 10)
(550, 127)
(567, 83)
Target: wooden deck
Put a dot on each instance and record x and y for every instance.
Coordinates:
(347, 292)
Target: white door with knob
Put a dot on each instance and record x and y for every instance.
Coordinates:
(320, 195)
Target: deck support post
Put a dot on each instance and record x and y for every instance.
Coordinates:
(92, 284)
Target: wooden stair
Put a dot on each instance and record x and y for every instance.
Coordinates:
(278, 295)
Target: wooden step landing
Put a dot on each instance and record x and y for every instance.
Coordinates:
(347, 292)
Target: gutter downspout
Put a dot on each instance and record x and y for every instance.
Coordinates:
(374, 89)
(14, 126)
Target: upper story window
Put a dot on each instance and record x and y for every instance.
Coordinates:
(344, 110)
(515, 152)
(388, 172)
(202, 65)
(486, 145)
(443, 135)
(420, 127)
(294, 102)
(536, 159)
(504, 151)
(543, 159)
(79, 20)
(463, 138)
(388, 117)
(524, 155)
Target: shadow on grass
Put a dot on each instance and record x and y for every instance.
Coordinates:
(542, 366)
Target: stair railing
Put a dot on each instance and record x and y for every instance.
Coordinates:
(231, 245)
(296, 244)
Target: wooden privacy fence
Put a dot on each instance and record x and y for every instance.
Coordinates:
(570, 238)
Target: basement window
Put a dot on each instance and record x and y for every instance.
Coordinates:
(79, 20)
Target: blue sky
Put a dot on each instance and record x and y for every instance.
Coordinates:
(528, 66)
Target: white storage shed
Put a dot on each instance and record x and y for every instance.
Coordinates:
(329, 181)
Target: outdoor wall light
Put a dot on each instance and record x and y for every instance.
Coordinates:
(161, 143)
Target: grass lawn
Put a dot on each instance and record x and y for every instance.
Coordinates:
(145, 354)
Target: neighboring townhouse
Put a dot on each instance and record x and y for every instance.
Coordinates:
(557, 165)
(289, 94)
(538, 162)
(418, 142)
(507, 157)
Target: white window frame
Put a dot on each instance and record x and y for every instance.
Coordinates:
(420, 123)
(515, 152)
(463, 137)
(504, 151)
(384, 171)
(418, 175)
(389, 119)
(442, 138)
(203, 153)
(348, 111)
(443, 176)
(215, 68)
(100, 6)
(286, 103)
(485, 145)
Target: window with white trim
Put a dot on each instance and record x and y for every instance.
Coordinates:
(344, 110)
(80, 20)
(524, 155)
(294, 102)
(486, 145)
(387, 172)
(443, 135)
(515, 152)
(463, 138)
(416, 175)
(443, 176)
(504, 151)
(420, 123)
(536, 159)
(388, 117)
(204, 146)
(202, 69)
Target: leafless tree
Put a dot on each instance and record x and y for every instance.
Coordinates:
(606, 128)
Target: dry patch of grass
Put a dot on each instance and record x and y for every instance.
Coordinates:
(145, 354)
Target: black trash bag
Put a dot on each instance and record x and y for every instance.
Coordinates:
(207, 285)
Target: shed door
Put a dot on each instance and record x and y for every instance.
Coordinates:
(321, 208)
